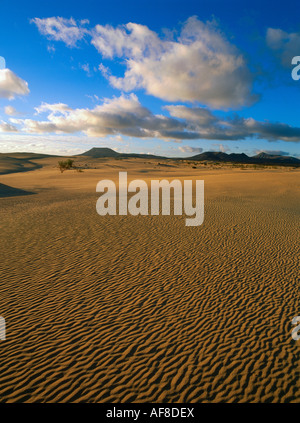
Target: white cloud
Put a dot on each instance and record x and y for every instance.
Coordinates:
(285, 45)
(104, 70)
(60, 29)
(11, 111)
(86, 68)
(200, 66)
(128, 40)
(51, 49)
(221, 147)
(7, 127)
(2, 63)
(11, 85)
(196, 114)
(273, 152)
(118, 116)
(48, 144)
(126, 116)
(189, 149)
(208, 126)
(53, 108)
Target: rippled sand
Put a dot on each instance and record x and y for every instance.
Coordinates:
(144, 309)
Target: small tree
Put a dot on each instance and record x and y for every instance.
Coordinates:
(65, 164)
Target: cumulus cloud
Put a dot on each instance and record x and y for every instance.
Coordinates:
(61, 29)
(200, 66)
(189, 149)
(126, 116)
(11, 85)
(11, 111)
(199, 115)
(7, 127)
(118, 116)
(233, 127)
(221, 147)
(53, 108)
(273, 131)
(273, 152)
(285, 45)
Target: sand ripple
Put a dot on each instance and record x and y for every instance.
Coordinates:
(144, 309)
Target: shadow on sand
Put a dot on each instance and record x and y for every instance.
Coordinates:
(7, 191)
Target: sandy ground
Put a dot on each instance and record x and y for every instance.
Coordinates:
(145, 309)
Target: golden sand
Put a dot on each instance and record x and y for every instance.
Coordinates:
(143, 308)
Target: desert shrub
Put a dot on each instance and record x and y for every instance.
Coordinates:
(65, 164)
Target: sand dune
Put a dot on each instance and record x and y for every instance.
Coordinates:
(144, 309)
(18, 162)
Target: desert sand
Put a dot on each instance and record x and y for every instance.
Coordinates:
(143, 308)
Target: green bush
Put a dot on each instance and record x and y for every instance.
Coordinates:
(65, 164)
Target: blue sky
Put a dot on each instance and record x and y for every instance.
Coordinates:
(163, 77)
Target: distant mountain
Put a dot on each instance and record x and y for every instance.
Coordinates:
(212, 156)
(218, 156)
(215, 156)
(276, 158)
(261, 158)
(100, 152)
(222, 157)
(97, 153)
(241, 158)
(18, 160)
